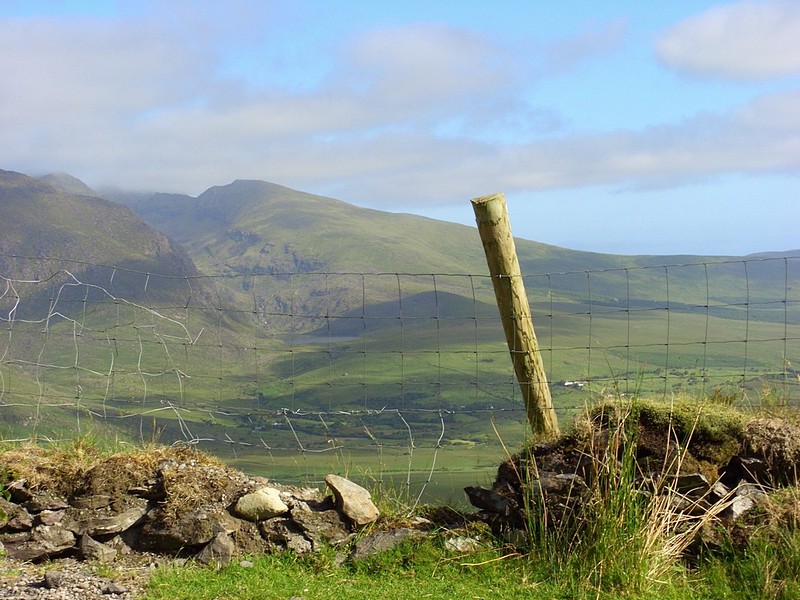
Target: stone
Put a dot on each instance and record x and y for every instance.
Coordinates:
(264, 503)
(45, 501)
(285, 533)
(381, 541)
(321, 527)
(119, 544)
(218, 552)
(691, 485)
(50, 517)
(306, 494)
(352, 500)
(462, 544)
(561, 484)
(16, 517)
(90, 549)
(488, 500)
(54, 580)
(95, 523)
(746, 495)
(719, 491)
(114, 588)
(45, 542)
(192, 529)
(18, 491)
(247, 538)
(739, 506)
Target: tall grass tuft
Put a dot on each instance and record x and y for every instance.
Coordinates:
(632, 529)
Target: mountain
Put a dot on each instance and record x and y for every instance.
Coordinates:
(92, 240)
(249, 227)
(69, 184)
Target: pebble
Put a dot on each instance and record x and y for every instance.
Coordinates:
(69, 579)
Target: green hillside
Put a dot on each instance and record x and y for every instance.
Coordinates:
(96, 241)
(259, 316)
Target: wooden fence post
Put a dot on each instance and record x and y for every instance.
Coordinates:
(494, 227)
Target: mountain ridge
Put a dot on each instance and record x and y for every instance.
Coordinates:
(104, 243)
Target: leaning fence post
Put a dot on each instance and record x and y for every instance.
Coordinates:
(494, 227)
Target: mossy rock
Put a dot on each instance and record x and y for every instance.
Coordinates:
(777, 443)
(704, 435)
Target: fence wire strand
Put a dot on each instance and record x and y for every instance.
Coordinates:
(325, 362)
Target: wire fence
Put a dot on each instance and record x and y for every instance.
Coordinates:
(395, 371)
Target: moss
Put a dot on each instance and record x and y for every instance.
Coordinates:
(711, 432)
(704, 422)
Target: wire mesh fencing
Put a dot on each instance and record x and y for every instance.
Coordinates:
(405, 374)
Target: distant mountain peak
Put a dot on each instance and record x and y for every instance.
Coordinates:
(67, 183)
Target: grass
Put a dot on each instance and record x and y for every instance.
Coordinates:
(413, 570)
(426, 569)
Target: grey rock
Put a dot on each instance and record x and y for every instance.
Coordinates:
(90, 549)
(45, 501)
(54, 580)
(84, 521)
(192, 529)
(561, 483)
(16, 537)
(50, 517)
(119, 544)
(112, 587)
(322, 527)
(218, 552)
(381, 541)
(45, 542)
(352, 500)
(719, 490)
(286, 534)
(264, 503)
(746, 496)
(307, 494)
(16, 517)
(462, 544)
(739, 506)
(488, 500)
(692, 485)
(751, 490)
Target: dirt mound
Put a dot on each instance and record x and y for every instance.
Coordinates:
(710, 463)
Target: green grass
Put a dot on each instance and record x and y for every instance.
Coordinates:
(414, 570)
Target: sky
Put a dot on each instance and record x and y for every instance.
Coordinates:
(612, 126)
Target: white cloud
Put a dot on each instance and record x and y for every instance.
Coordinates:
(760, 137)
(411, 115)
(744, 40)
(596, 39)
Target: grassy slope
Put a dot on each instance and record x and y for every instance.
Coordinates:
(415, 341)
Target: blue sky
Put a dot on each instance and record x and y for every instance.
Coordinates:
(611, 126)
